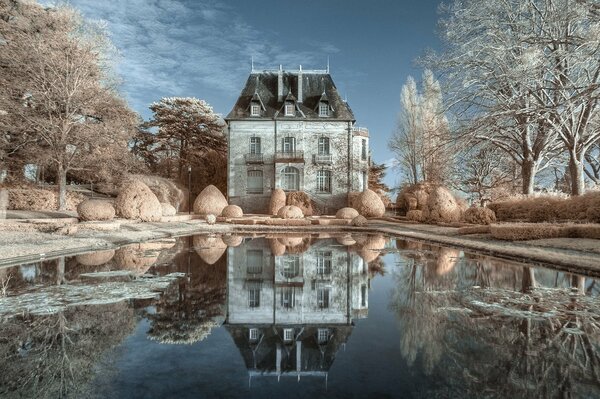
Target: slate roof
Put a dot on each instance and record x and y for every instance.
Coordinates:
(314, 84)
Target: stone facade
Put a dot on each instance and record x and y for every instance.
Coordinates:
(295, 136)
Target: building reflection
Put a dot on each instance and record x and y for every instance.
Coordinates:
(292, 301)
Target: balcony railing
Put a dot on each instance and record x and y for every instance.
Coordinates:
(289, 156)
(254, 158)
(322, 158)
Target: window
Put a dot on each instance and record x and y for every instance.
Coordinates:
(255, 109)
(255, 182)
(322, 335)
(324, 181)
(290, 179)
(288, 297)
(324, 263)
(255, 145)
(254, 261)
(323, 297)
(288, 144)
(363, 185)
(290, 266)
(254, 296)
(288, 334)
(323, 109)
(290, 110)
(323, 146)
(253, 334)
(363, 150)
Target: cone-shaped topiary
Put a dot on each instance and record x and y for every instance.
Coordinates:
(210, 201)
(137, 201)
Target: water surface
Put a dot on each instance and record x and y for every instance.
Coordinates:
(334, 316)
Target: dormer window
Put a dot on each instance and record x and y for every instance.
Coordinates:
(290, 110)
(255, 109)
(323, 109)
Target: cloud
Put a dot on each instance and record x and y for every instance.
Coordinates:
(178, 48)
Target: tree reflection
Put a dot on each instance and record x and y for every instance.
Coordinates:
(55, 356)
(493, 330)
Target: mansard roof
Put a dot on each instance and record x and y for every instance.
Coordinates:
(314, 85)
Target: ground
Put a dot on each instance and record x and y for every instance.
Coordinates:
(573, 255)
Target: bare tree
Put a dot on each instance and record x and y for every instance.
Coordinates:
(494, 75)
(71, 111)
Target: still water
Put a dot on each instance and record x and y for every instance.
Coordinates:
(335, 316)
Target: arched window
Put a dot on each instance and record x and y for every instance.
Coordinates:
(323, 146)
(290, 179)
(324, 181)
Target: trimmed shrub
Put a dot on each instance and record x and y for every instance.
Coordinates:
(168, 209)
(479, 215)
(290, 212)
(443, 207)
(346, 213)
(526, 231)
(414, 197)
(137, 201)
(232, 240)
(210, 219)
(277, 201)
(548, 208)
(31, 199)
(415, 215)
(277, 248)
(210, 201)
(359, 221)
(166, 191)
(352, 196)
(232, 211)
(94, 209)
(369, 204)
(302, 201)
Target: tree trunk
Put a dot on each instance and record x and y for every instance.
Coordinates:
(528, 171)
(576, 173)
(62, 188)
(578, 282)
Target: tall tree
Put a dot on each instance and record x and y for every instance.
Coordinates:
(489, 68)
(422, 139)
(70, 115)
(189, 134)
(376, 175)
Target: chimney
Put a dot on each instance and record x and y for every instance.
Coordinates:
(300, 85)
(280, 84)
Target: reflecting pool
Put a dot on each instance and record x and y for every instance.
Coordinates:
(296, 316)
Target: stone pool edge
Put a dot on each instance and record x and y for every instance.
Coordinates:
(574, 261)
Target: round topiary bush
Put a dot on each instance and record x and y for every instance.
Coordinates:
(210, 201)
(301, 200)
(369, 204)
(290, 212)
(232, 211)
(442, 206)
(95, 258)
(346, 213)
(94, 209)
(277, 201)
(168, 209)
(210, 219)
(359, 221)
(137, 201)
(479, 215)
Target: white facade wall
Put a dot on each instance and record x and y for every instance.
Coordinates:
(307, 134)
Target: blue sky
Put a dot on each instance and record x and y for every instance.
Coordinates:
(203, 49)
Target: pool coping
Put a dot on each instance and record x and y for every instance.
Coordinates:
(573, 261)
